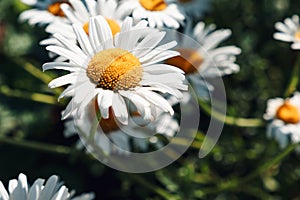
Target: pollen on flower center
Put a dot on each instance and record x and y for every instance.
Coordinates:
(114, 26)
(189, 60)
(288, 113)
(54, 8)
(115, 69)
(153, 5)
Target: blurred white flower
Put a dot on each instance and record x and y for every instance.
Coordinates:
(113, 137)
(115, 70)
(52, 189)
(289, 31)
(201, 58)
(284, 119)
(80, 13)
(193, 8)
(44, 11)
(158, 13)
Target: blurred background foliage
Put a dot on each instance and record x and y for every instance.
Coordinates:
(243, 165)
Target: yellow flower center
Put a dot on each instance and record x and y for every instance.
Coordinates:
(153, 5)
(288, 113)
(115, 69)
(189, 60)
(54, 8)
(297, 35)
(114, 26)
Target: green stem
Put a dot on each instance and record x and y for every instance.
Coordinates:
(268, 164)
(233, 184)
(294, 80)
(38, 97)
(229, 120)
(45, 147)
(152, 187)
(36, 72)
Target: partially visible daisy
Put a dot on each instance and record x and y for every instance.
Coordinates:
(284, 119)
(193, 8)
(52, 189)
(80, 13)
(289, 31)
(44, 11)
(158, 13)
(201, 57)
(113, 137)
(114, 70)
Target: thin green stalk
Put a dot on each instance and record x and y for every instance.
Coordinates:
(36, 72)
(234, 183)
(45, 147)
(268, 164)
(38, 97)
(294, 80)
(229, 120)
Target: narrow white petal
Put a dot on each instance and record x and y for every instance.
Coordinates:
(105, 102)
(3, 192)
(35, 189)
(67, 54)
(63, 66)
(48, 188)
(83, 40)
(63, 80)
(62, 194)
(12, 184)
(120, 109)
(157, 100)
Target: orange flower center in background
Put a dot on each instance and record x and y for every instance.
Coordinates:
(153, 5)
(114, 26)
(189, 60)
(297, 35)
(55, 8)
(288, 113)
(115, 69)
(109, 125)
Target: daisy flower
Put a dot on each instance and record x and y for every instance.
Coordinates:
(204, 59)
(44, 11)
(193, 8)
(112, 137)
(52, 189)
(78, 13)
(289, 31)
(158, 13)
(117, 70)
(284, 119)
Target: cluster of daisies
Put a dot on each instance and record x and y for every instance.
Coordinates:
(282, 114)
(129, 62)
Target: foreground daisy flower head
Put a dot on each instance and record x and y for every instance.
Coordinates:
(78, 12)
(159, 13)
(289, 31)
(44, 11)
(115, 70)
(201, 57)
(284, 119)
(51, 189)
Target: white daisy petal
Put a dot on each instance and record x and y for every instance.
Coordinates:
(119, 108)
(52, 190)
(3, 192)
